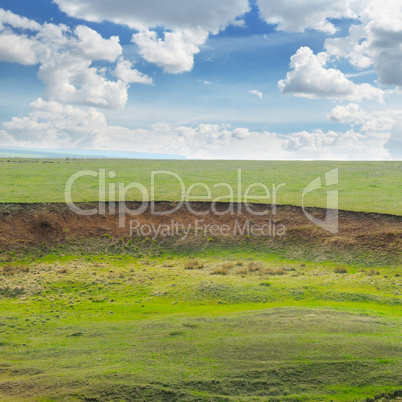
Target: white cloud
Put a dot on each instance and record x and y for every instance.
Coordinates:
(394, 145)
(374, 123)
(297, 16)
(17, 49)
(14, 20)
(53, 125)
(175, 52)
(375, 38)
(347, 114)
(255, 92)
(336, 146)
(92, 46)
(310, 79)
(125, 71)
(186, 24)
(65, 57)
(182, 15)
(376, 41)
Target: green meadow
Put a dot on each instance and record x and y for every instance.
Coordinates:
(112, 320)
(363, 186)
(232, 326)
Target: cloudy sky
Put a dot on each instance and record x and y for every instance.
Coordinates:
(226, 79)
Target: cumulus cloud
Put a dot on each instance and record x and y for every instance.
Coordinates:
(394, 144)
(336, 146)
(175, 52)
(186, 24)
(54, 125)
(374, 38)
(90, 45)
(256, 93)
(376, 122)
(16, 21)
(125, 71)
(207, 15)
(347, 114)
(297, 16)
(375, 41)
(310, 78)
(17, 49)
(66, 61)
(383, 127)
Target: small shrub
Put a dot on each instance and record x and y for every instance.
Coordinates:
(44, 221)
(194, 265)
(340, 270)
(255, 266)
(14, 269)
(220, 271)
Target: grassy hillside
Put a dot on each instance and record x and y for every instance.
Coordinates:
(91, 313)
(363, 186)
(233, 326)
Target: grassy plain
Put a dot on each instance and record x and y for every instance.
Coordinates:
(82, 321)
(363, 186)
(232, 326)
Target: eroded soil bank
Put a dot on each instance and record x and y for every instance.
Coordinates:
(199, 225)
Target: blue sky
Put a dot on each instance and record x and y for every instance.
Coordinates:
(221, 79)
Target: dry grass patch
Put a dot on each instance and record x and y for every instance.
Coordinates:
(241, 271)
(220, 271)
(13, 269)
(44, 221)
(255, 266)
(340, 270)
(194, 265)
(279, 271)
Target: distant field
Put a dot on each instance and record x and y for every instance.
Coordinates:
(363, 186)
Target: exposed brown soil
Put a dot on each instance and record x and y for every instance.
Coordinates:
(23, 226)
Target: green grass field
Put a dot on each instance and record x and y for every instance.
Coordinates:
(235, 326)
(110, 319)
(363, 186)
